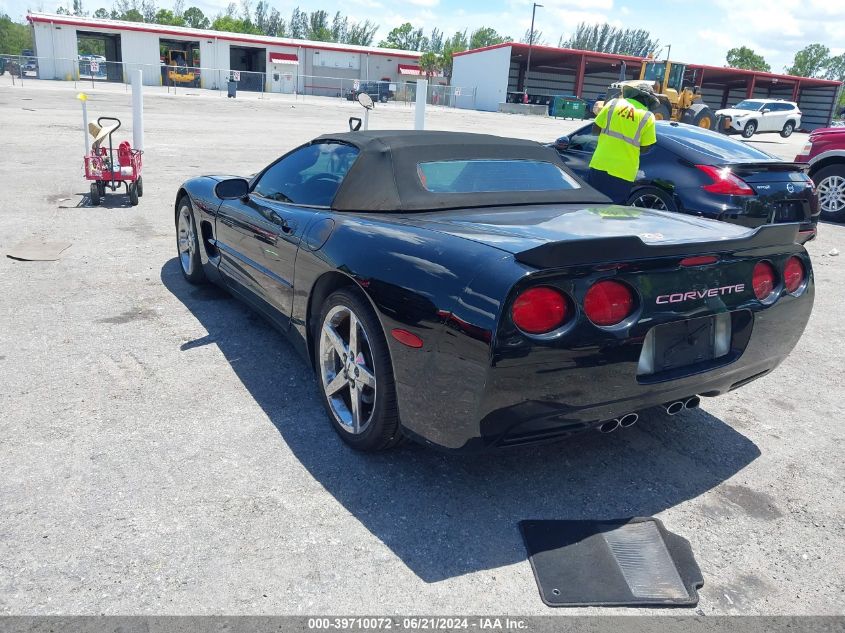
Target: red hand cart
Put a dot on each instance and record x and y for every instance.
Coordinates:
(107, 168)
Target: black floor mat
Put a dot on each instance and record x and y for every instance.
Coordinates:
(629, 562)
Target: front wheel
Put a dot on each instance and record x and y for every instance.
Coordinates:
(830, 185)
(355, 373)
(788, 129)
(140, 187)
(95, 194)
(749, 129)
(133, 194)
(187, 243)
(662, 112)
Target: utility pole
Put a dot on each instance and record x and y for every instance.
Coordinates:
(530, 45)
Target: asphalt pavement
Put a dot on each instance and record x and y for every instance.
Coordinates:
(164, 451)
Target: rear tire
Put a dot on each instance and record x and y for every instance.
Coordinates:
(187, 243)
(749, 129)
(95, 194)
(702, 116)
(133, 194)
(830, 185)
(788, 129)
(361, 406)
(140, 187)
(652, 198)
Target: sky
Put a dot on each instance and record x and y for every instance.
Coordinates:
(698, 32)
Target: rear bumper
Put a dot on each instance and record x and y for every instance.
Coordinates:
(748, 211)
(552, 394)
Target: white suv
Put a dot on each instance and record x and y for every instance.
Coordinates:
(760, 115)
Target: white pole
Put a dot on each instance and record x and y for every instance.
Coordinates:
(366, 125)
(419, 114)
(84, 98)
(137, 110)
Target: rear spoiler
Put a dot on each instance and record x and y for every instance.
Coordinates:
(744, 168)
(628, 248)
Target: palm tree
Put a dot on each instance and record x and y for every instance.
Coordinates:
(429, 64)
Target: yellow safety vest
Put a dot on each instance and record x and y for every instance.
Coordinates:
(626, 126)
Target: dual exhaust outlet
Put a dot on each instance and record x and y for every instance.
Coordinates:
(673, 408)
(629, 420)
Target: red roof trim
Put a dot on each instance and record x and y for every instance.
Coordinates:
(628, 58)
(283, 57)
(220, 35)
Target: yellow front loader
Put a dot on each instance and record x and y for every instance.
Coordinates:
(678, 101)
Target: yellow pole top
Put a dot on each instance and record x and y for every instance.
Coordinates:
(82, 96)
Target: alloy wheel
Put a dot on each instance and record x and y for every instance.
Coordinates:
(649, 201)
(346, 369)
(187, 239)
(831, 192)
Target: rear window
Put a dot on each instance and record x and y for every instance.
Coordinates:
(712, 144)
(493, 175)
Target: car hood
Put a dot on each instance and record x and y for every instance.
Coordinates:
(736, 113)
(515, 230)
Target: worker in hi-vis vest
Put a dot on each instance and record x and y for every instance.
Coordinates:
(626, 128)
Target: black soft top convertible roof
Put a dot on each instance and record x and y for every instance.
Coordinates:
(384, 176)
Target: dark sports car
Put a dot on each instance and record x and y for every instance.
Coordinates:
(469, 291)
(704, 173)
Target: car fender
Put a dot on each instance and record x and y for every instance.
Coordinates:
(823, 156)
(204, 205)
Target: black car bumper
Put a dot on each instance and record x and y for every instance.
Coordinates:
(552, 394)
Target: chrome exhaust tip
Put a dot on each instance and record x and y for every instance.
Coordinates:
(673, 408)
(609, 427)
(627, 421)
(692, 403)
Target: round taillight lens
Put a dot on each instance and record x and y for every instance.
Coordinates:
(793, 274)
(539, 310)
(763, 280)
(608, 302)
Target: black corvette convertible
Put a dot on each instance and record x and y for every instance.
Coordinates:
(469, 291)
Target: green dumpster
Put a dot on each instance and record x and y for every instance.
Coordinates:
(2, 65)
(568, 107)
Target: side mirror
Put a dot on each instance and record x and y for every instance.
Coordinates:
(365, 100)
(231, 189)
(562, 143)
(766, 110)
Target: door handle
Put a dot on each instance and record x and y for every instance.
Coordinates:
(287, 227)
(227, 221)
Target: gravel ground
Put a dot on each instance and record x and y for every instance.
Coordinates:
(163, 450)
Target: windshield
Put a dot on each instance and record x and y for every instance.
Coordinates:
(493, 175)
(748, 105)
(654, 71)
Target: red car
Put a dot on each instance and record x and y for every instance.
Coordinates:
(825, 153)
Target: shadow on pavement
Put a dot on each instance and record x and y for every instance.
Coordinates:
(449, 515)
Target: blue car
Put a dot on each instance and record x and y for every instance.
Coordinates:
(699, 172)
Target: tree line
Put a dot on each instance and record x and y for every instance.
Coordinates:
(813, 61)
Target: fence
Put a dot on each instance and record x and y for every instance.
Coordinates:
(93, 70)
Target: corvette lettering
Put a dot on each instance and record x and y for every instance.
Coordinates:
(678, 297)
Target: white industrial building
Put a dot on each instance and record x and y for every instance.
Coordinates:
(272, 64)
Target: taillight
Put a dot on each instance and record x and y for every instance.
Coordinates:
(763, 280)
(608, 302)
(539, 310)
(793, 274)
(725, 182)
